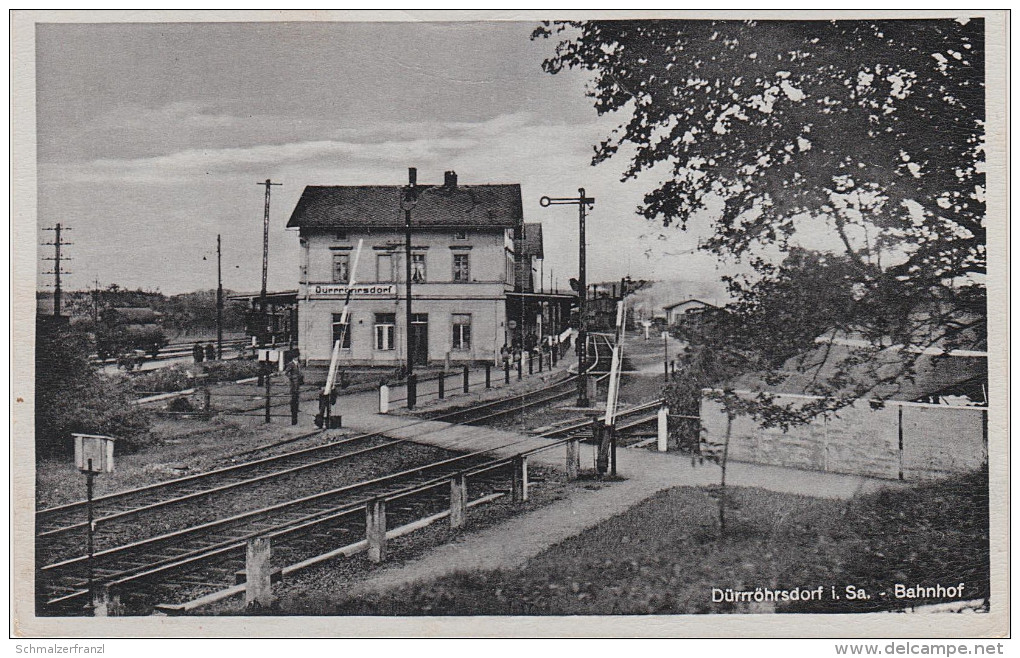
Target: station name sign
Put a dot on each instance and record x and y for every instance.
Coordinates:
(357, 291)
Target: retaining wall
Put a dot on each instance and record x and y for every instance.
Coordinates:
(901, 440)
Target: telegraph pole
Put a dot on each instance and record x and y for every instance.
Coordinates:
(582, 202)
(57, 260)
(219, 299)
(265, 264)
(95, 304)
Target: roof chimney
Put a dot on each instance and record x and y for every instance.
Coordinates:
(450, 179)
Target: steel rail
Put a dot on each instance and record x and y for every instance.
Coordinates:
(225, 487)
(41, 515)
(204, 528)
(321, 517)
(162, 564)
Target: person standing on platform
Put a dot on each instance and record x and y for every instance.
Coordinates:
(197, 352)
(297, 379)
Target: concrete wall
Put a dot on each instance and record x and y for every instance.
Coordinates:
(938, 440)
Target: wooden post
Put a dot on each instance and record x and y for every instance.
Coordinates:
(442, 385)
(206, 397)
(612, 449)
(412, 390)
(531, 362)
(384, 399)
(467, 383)
(598, 430)
(258, 589)
(663, 434)
(573, 458)
(524, 479)
(105, 601)
(375, 529)
(506, 372)
(458, 501)
(488, 375)
(269, 394)
(519, 485)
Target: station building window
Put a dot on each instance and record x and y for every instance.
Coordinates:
(385, 324)
(461, 331)
(339, 333)
(510, 274)
(384, 268)
(461, 267)
(341, 268)
(417, 268)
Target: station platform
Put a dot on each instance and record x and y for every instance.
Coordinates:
(460, 438)
(360, 414)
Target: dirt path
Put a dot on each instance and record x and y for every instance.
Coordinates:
(512, 543)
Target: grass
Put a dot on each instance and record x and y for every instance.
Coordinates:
(666, 555)
(173, 449)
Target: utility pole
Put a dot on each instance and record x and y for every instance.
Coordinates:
(219, 299)
(582, 202)
(407, 202)
(265, 264)
(95, 304)
(57, 260)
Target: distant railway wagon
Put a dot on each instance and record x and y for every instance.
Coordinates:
(128, 329)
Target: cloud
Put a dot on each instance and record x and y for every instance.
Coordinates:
(188, 195)
(388, 144)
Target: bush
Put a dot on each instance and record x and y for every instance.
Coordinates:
(179, 378)
(163, 380)
(72, 396)
(232, 370)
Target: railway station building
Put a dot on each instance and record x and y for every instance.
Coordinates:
(467, 259)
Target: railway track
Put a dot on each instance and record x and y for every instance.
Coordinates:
(55, 521)
(63, 585)
(65, 518)
(482, 413)
(178, 564)
(176, 351)
(60, 526)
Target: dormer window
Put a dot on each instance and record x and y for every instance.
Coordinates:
(460, 235)
(341, 235)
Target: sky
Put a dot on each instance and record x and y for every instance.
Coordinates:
(152, 139)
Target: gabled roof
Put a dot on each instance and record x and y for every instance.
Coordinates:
(932, 375)
(687, 301)
(532, 245)
(438, 206)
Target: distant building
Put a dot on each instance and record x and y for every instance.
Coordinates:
(472, 287)
(278, 325)
(682, 311)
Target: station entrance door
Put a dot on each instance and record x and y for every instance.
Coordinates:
(420, 339)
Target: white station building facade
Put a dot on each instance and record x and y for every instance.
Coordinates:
(464, 271)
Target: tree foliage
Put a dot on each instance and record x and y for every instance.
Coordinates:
(72, 396)
(843, 160)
